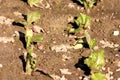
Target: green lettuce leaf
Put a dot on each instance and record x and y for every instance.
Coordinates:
(29, 35)
(98, 76)
(33, 2)
(33, 17)
(88, 3)
(95, 60)
(37, 38)
(83, 19)
(92, 43)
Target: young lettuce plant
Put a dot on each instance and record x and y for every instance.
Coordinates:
(33, 2)
(83, 23)
(30, 38)
(88, 4)
(95, 61)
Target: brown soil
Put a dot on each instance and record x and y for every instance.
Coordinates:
(105, 18)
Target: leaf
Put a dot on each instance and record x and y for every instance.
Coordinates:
(87, 36)
(83, 19)
(88, 3)
(33, 17)
(78, 46)
(37, 38)
(29, 35)
(97, 76)
(92, 43)
(95, 60)
(33, 2)
(81, 1)
(73, 30)
(30, 51)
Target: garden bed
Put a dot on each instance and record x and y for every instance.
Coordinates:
(105, 27)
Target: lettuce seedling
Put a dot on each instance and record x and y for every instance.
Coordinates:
(95, 60)
(82, 22)
(33, 2)
(30, 40)
(97, 76)
(30, 58)
(33, 17)
(88, 4)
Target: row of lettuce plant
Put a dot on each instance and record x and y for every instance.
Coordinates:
(31, 37)
(96, 60)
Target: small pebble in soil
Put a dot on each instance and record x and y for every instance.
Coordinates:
(78, 8)
(65, 71)
(117, 55)
(48, 32)
(70, 18)
(80, 77)
(109, 74)
(116, 33)
(97, 20)
(19, 49)
(117, 69)
(1, 65)
(18, 14)
(96, 48)
(119, 26)
(44, 52)
(116, 45)
(118, 79)
(54, 42)
(16, 33)
(56, 77)
(71, 5)
(103, 68)
(118, 64)
(65, 57)
(86, 78)
(40, 47)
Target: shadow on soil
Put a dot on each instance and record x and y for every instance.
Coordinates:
(22, 39)
(83, 66)
(77, 2)
(43, 73)
(24, 0)
(23, 62)
(18, 24)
